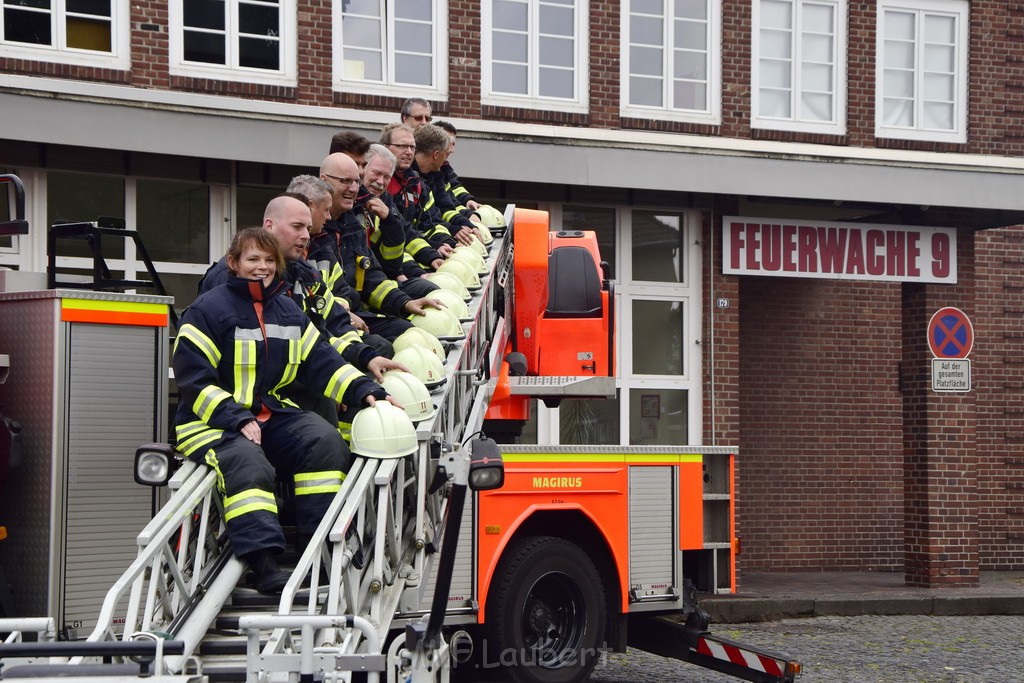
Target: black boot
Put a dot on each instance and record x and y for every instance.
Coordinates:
(269, 578)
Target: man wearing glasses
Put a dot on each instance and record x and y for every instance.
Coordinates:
(416, 112)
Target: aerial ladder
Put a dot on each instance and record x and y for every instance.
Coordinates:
(369, 597)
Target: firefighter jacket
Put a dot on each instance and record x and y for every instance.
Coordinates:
(386, 236)
(307, 288)
(416, 206)
(453, 184)
(238, 346)
(322, 252)
(446, 205)
(378, 292)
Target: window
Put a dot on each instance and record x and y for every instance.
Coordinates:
(534, 54)
(799, 65)
(671, 60)
(251, 41)
(921, 92)
(391, 46)
(86, 32)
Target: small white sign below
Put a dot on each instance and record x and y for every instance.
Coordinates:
(951, 374)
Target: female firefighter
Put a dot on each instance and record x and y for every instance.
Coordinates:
(238, 346)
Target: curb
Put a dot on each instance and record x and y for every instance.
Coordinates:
(729, 609)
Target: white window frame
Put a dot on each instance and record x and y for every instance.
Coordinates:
(712, 115)
(628, 289)
(389, 86)
(286, 76)
(961, 11)
(839, 73)
(578, 104)
(119, 58)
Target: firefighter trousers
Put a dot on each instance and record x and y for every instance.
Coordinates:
(303, 446)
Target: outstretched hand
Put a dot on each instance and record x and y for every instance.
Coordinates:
(379, 365)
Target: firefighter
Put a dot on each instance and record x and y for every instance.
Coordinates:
(238, 346)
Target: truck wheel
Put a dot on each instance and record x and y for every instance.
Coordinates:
(546, 613)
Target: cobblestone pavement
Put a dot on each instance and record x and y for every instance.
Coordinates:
(862, 649)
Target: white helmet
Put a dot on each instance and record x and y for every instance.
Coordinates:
(454, 303)
(461, 270)
(417, 336)
(440, 322)
(383, 431)
(490, 216)
(423, 364)
(450, 282)
(410, 392)
(485, 234)
(478, 246)
(466, 253)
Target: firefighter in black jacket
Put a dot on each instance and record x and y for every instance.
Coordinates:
(238, 346)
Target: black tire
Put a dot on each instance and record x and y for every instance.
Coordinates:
(545, 613)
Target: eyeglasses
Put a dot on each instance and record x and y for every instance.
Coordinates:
(345, 182)
(422, 118)
(392, 144)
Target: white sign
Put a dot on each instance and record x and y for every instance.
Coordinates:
(951, 374)
(837, 251)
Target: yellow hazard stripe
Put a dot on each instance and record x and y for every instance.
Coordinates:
(659, 458)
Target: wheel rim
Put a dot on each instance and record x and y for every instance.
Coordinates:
(554, 620)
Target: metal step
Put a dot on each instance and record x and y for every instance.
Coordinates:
(563, 385)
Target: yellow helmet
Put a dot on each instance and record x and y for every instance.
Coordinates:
(490, 216)
(410, 392)
(471, 257)
(454, 303)
(450, 282)
(383, 431)
(441, 323)
(417, 336)
(485, 235)
(423, 365)
(478, 246)
(461, 270)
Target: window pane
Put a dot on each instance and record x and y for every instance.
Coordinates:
(816, 77)
(899, 54)
(414, 37)
(204, 14)
(510, 78)
(259, 53)
(689, 95)
(588, 421)
(361, 32)
(776, 44)
(88, 34)
(556, 52)
(509, 47)
(173, 219)
(898, 112)
(817, 49)
(414, 69)
(601, 221)
(557, 21)
(898, 83)
(204, 47)
(258, 20)
(27, 27)
(7, 208)
(413, 9)
(646, 31)
(251, 203)
(97, 8)
(818, 18)
(775, 74)
(363, 65)
(657, 417)
(645, 91)
(938, 87)
(938, 116)
(776, 14)
(775, 104)
(510, 15)
(938, 29)
(816, 107)
(82, 197)
(691, 35)
(691, 65)
(646, 61)
(365, 7)
(657, 337)
(556, 83)
(647, 6)
(899, 25)
(691, 9)
(939, 58)
(657, 247)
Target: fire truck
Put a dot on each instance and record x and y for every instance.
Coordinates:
(464, 555)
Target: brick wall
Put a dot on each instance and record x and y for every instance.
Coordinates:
(820, 468)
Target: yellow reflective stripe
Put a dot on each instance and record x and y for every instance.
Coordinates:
(309, 339)
(208, 400)
(392, 252)
(201, 341)
(290, 369)
(459, 190)
(211, 460)
(659, 458)
(308, 483)
(340, 382)
(245, 371)
(190, 428)
(248, 501)
(381, 292)
(416, 246)
(340, 343)
(190, 445)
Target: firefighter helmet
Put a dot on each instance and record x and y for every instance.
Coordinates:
(417, 336)
(383, 431)
(450, 282)
(485, 234)
(478, 246)
(410, 392)
(423, 365)
(461, 270)
(440, 322)
(490, 216)
(454, 303)
(471, 258)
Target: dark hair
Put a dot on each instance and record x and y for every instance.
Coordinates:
(446, 126)
(258, 238)
(348, 142)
